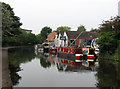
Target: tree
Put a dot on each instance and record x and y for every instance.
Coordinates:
(23, 38)
(31, 39)
(63, 28)
(12, 34)
(44, 33)
(10, 25)
(81, 28)
(93, 30)
(26, 39)
(109, 39)
(39, 38)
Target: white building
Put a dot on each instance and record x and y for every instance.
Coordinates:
(119, 8)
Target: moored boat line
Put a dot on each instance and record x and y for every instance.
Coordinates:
(72, 53)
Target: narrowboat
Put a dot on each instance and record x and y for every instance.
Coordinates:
(68, 52)
(77, 54)
(88, 54)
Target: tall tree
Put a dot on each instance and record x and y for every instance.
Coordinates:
(12, 34)
(44, 32)
(10, 25)
(109, 39)
(63, 28)
(81, 28)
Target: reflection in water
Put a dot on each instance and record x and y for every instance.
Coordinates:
(14, 75)
(62, 72)
(108, 74)
(44, 69)
(44, 63)
(16, 57)
(46, 60)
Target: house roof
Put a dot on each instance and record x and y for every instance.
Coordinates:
(83, 35)
(51, 36)
(73, 34)
(89, 35)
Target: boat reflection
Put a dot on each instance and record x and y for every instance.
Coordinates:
(68, 65)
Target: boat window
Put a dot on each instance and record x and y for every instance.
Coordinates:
(85, 51)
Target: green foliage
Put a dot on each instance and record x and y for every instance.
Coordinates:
(108, 74)
(31, 38)
(81, 28)
(26, 39)
(63, 28)
(109, 38)
(39, 38)
(107, 41)
(44, 33)
(93, 30)
(12, 34)
(10, 23)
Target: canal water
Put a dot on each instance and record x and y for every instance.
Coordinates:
(29, 68)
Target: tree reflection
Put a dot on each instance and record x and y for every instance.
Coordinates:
(16, 57)
(44, 63)
(108, 74)
(14, 75)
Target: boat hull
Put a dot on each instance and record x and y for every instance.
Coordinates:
(77, 54)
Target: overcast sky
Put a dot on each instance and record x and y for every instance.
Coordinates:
(35, 14)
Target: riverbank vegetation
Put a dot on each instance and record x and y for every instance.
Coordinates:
(14, 35)
(109, 39)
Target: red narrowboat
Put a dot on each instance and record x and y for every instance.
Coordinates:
(77, 54)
